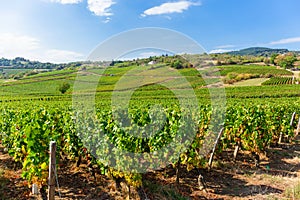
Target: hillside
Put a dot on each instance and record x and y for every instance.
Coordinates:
(258, 51)
(33, 111)
(22, 63)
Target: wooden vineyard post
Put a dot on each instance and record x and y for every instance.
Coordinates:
(298, 128)
(178, 171)
(214, 148)
(236, 150)
(280, 138)
(292, 119)
(52, 171)
(293, 80)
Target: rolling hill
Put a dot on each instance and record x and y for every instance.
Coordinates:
(258, 51)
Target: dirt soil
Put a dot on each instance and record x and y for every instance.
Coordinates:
(279, 171)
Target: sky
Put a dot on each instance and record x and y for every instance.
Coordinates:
(69, 30)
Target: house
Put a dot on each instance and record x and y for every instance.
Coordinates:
(151, 63)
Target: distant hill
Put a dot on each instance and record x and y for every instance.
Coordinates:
(22, 63)
(258, 51)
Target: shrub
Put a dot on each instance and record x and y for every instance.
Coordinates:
(234, 77)
(64, 87)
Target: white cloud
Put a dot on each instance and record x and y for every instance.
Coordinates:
(14, 45)
(101, 7)
(170, 7)
(98, 7)
(220, 50)
(66, 1)
(286, 41)
(148, 54)
(106, 20)
(142, 54)
(60, 56)
(225, 46)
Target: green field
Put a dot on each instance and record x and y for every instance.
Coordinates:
(250, 82)
(9, 72)
(253, 69)
(33, 112)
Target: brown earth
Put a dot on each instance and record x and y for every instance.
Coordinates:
(277, 174)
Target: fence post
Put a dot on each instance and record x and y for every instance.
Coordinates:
(298, 127)
(214, 148)
(52, 170)
(280, 138)
(292, 119)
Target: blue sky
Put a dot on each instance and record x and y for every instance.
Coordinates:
(68, 30)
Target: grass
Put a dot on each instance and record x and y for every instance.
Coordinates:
(163, 192)
(263, 92)
(253, 69)
(43, 84)
(43, 87)
(251, 82)
(272, 178)
(293, 192)
(1, 175)
(2, 183)
(9, 72)
(117, 71)
(47, 83)
(51, 73)
(279, 81)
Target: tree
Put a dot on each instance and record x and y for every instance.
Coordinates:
(267, 61)
(286, 61)
(272, 58)
(177, 64)
(64, 87)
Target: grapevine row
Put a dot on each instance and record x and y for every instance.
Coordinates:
(27, 131)
(279, 81)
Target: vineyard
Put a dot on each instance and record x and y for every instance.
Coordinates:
(278, 81)
(253, 69)
(28, 123)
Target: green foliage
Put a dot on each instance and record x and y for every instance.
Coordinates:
(233, 77)
(235, 73)
(28, 121)
(159, 191)
(21, 63)
(259, 51)
(294, 192)
(27, 130)
(227, 59)
(14, 73)
(278, 81)
(261, 71)
(256, 126)
(273, 57)
(177, 64)
(27, 133)
(63, 88)
(263, 92)
(286, 61)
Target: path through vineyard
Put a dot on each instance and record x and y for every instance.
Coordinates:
(275, 178)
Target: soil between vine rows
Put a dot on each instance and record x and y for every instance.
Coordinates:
(278, 172)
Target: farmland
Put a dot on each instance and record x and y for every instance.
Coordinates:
(257, 122)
